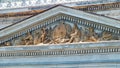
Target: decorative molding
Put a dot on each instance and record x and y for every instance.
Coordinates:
(48, 18)
(74, 51)
(57, 18)
(88, 8)
(100, 7)
(61, 49)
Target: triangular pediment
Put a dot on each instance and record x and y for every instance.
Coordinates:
(60, 13)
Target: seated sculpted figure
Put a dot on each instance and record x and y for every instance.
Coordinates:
(91, 35)
(75, 36)
(29, 39)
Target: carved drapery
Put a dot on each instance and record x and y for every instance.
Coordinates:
(55, 20)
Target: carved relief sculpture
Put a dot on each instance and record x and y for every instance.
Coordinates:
(90, 37)
(20, 41)
(63, 32)
(106, 35)
(36, 37)
(43, 35)
(28, 39)
(8, 43)
(75, 35)
(59, 33)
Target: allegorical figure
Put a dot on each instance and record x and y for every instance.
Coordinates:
(75, 36)
(59, 33)
(43, 35)
(36, 37)
(91, 37)
(106, 36)
(29, 39)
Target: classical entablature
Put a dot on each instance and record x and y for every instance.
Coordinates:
(61, 25)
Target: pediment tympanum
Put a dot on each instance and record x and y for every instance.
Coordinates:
(63, 32)
(64, 26)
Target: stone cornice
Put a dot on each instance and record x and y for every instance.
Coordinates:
(61, 9)
(99, 7)
(53, 15)
(89, 8)
(61, 49)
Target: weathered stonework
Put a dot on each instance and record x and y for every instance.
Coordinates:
(78, 54)
(83, 25)
(61, 36)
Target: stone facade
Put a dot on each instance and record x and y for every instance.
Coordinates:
(78, 37)
(61, 27)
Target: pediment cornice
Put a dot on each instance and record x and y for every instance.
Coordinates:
(60, 12)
